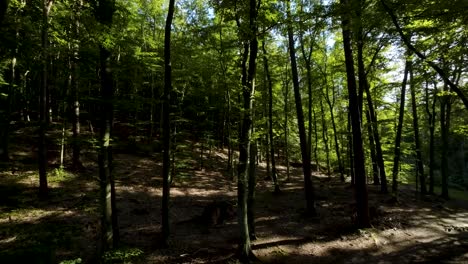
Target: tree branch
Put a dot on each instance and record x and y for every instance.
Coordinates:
(434, 66)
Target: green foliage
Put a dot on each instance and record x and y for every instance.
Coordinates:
(72, 261)
(123, 255)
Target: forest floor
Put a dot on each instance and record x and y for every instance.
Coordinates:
(65, 225)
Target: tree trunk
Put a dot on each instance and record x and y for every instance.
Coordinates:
(270, 119)
(431, 121)
(376, 136)
(325, 137)
(359, 169)
(109, 225)
(250, 46)
(335, 134)
(397, 151)
(286, 113)
(417, 143)
(43, 113)
(350, 150)
(445, 128)
(308, 186)
(76, 162)
(375, 167)
(167, 124)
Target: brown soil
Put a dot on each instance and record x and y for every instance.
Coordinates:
(65, 226)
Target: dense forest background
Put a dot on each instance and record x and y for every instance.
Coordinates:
(361, 91)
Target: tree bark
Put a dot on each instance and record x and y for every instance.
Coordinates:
(444, 130)
(378, 145)
(308, 186)
(270, 119)
(43, 113)
(431, 122)
(375, 167)
(76, 162)
(397, 151)
(361, 194)
(109, 224)
(167, 124)
(417, 143)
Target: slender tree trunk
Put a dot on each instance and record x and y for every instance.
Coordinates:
(325, 137)
(76, 162)
(167, 123)
(335, 134)
(375, 167)
(419, 161)
(270, 119)
(286, 134)
(445, 128)
(308, 186)
(431, 121)
(376, 137)
(43, 113)
(360, 176)
(397, 151)
(351, 151)
(252, 183)
(250, 46)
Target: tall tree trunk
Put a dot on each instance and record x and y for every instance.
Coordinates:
(397, 151)
(360, 176)
(351, 151)
(76, 162)
(445, 128)
(375, 167)
(335, 134)
(167, 124)
(308, 186)
(43, 113)
(325, 137)
(417, 143)
(286, 114)
(431, 121)
(376, 137)
(250, 46)
(270, 119)
(252, 183)
(109, 224)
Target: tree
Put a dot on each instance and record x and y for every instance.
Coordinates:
(104, 10)
(397, 149)
(270, 119)
(358, 153)
(43, 99)
(166, 122)
(305, 153)
(417, 143)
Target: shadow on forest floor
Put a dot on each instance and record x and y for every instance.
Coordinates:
(65, 226)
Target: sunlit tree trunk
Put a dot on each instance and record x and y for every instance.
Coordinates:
(419, 161)
(270, 119)
(397, 150)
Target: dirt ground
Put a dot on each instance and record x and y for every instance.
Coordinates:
(65, 226)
